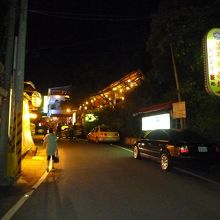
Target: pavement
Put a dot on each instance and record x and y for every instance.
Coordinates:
(33, 167)
(34, 164)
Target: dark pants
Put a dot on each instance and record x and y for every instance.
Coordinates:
(49, 156)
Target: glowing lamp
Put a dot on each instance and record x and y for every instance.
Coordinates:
(36, 99)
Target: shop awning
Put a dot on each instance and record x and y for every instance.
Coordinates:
(154, 108)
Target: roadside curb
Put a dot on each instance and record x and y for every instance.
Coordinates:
(23, 199)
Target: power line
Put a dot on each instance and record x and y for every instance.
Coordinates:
(90, 17)
(84, 42)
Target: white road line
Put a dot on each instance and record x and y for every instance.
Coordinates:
(124, 148)
(36, 185)
(15, 208)
(23, 199)
(197, 175)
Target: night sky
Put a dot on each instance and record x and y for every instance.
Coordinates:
(87, 44)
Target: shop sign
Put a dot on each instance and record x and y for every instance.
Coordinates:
(179, 110)
(90, 117)
(212, 61)
(36, 99)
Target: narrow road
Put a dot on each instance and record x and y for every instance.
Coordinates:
(100, 181)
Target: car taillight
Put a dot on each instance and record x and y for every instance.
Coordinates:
(184, 150)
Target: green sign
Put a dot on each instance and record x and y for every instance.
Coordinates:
(212, 61)
(90, 117)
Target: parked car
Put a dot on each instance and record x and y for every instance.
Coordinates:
(169, 146)
(41, 129)
(103, 133)
(72, 132)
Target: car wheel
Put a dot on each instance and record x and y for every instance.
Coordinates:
(165, 162)
(136, 153)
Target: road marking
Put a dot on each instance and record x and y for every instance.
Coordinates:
(197, 175)
(15, 208)
(23, 199)
(36, 185)
(124, 148)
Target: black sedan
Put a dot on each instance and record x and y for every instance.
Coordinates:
(170, 145)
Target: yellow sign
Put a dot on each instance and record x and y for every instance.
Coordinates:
(90, 117)
(36, 99)
(179, 110)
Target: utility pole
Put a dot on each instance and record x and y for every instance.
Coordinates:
(4, 136)
(19, 85)
(16, 140)
(177, 82)
(11, 148)
(175, 74)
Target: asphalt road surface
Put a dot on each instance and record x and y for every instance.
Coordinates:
(104, 182)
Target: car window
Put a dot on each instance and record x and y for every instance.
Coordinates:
(158, 135)
(188, 136)
(105, 129)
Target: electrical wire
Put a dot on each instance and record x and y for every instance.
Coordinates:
(88, 17)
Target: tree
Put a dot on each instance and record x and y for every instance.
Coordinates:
(183, 24)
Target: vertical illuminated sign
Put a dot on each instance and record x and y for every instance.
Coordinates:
(46, 102)
(212, 61)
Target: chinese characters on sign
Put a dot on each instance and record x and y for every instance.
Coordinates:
(179, 110)
(212, 67)
(36, 99)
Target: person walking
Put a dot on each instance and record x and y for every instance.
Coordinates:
(50, 142)
(58, 131)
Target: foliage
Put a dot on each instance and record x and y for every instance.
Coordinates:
(182, 25)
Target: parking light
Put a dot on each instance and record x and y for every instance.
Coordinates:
(184, 149)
